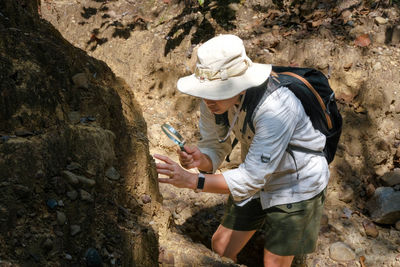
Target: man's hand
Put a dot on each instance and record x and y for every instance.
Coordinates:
(177, 176)
(193, 158)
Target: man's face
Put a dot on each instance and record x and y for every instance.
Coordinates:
(221, 106)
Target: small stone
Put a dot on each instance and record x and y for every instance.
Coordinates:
(59, 233)
(340, 251)
(48, 244)
(72, 194)
(370, 229)
(370, 190)
(23, 133)
(75, 229)
(70, 177)
(347, 194)
(166, 257)
(61, 218)
(93, 258)
(397, 225)
(324, 220)
(74, 117)
(85, 196)
(86, 181)
(146, 199)
(112, 174)
(73, 166)
(377, 66)
(4, 138)
(80, 80)
(68, 257)
(52, 203)
(391, 178)
(22, 191)
(59, 185)
(380, 20)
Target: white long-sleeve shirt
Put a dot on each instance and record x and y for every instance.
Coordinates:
(268, 171)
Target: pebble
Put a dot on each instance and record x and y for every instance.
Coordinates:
(85, 196)
(74, 117)
(397, 225)
(112, 174)
(52, 203)
(146, 199)
(70, 177)
(391, 178)
(80, 80)
(75, 229)
(73, 166)
(370, 190)
(48, 244)
(86, 181)
(324, 220)
(347, 194)
(72, 194)
(340, 251)
(59, 233)
(93, 258)
(68, 257)
(377, 66)
(23, 133)
(61, 218)
(381, 20)
(370, 228)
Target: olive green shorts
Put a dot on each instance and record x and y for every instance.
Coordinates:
(290, 229)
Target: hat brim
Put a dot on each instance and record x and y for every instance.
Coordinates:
(255, 75)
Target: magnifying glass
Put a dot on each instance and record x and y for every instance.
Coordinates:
(173, 135)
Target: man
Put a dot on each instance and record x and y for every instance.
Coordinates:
(272, 188)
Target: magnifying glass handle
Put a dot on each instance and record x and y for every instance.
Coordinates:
(182, 147)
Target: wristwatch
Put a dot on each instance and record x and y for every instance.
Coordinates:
(200, 182)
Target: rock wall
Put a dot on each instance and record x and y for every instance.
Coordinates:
(77, 183)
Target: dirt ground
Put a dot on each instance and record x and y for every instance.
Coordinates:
(149, 44)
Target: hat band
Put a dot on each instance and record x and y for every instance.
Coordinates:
(222, 74)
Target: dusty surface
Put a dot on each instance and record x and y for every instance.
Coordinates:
(149, 43)
(76, 178)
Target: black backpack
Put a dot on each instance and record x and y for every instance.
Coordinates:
(312, 88)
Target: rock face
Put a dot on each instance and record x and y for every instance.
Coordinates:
(43, 80)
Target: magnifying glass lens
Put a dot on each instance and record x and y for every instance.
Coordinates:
(173, 135)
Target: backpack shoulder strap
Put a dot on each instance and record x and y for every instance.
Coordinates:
(320, 101)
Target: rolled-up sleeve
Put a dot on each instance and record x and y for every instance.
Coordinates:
(210, 131)
(274, 127)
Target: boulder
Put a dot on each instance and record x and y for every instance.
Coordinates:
(384, 206)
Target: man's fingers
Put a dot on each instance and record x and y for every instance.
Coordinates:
(163, 158)
(165, 172)
(164, 166)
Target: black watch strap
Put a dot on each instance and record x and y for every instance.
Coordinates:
(200, 182)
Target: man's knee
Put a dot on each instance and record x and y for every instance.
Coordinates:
(217, 243)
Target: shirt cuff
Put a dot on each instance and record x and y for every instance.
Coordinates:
(216, 161)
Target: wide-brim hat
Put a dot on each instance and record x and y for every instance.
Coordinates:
(223, 70)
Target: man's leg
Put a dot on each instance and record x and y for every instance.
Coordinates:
(273, 260)
(228, 243)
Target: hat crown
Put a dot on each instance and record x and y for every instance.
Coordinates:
(218, 51)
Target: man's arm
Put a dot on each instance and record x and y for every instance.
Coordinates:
(179, 177)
